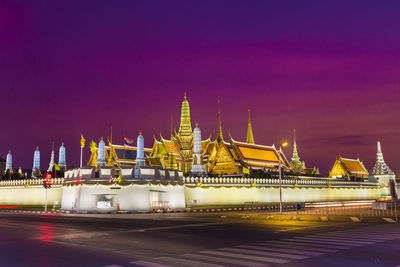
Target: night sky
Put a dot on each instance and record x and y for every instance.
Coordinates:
(329, 69)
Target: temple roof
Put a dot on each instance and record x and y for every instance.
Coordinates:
(354, 166)
(257, 155)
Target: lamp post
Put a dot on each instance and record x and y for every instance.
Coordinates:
(284, 144)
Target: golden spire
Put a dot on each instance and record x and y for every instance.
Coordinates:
(220, 137)
(250, 137)
(185, 127)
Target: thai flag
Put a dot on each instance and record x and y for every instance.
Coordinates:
(128, 141)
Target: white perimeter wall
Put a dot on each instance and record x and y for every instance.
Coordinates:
(34, 195)
(133, 197)
(238, 195)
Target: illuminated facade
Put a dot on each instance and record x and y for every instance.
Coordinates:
(9, 161)
(117, 155)
(218, 157)
(61, 156)
(351, 169)
(36, 164)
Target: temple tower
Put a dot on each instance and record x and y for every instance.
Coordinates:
(51, 164)
(380, 167)
(36, 163)
(185, 136)
(382, 174)
(249, 137)
(140, 150)
(101, 157)
(9, 161)
(61, 156)
(296, 164)
(197, 166)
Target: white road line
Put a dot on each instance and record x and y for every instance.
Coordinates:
(147, 264)
(265, 253)
(249, 257)
(328, 241)
(340, 239)
(357, 237)
(296, 245)
(225, 260)
(184, 262)
(287, 250)
(374, 233)
(318, 242)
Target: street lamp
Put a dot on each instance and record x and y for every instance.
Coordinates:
(284, 144)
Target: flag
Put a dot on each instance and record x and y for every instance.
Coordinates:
(246, 171)
(128, 141)
(119, 179)
(57, 167)
(83, 140)
(110, 180)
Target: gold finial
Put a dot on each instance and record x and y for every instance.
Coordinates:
(249, 136)
(185, 96)
(37, 147)
(9, 151)
(220, 136)
(62, 143)
(197, 125)
(171, 127)
(101, 138)
(140, 132)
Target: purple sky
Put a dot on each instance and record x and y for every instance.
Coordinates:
(331, 70)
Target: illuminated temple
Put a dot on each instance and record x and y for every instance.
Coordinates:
(219, 157)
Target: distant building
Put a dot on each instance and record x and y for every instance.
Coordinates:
(351, 169)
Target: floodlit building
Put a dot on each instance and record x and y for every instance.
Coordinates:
(9, 161)
(36, 164)
(61, 157)
(382, 173)
(350, 169)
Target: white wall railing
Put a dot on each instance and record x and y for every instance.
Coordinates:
(270, 181)
(26, 182)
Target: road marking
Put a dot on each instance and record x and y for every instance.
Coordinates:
(357, 237)
(249, 257)
(340, 239)
(225, 260)
(355, 219)
(147, 264)
(328, 241)
(296, 244)
(184, 262)
(303, 252)
(265, 253)
(317, 243)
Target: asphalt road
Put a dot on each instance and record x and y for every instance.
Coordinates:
(187, 239)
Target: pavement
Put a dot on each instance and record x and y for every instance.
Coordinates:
(194, 239)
